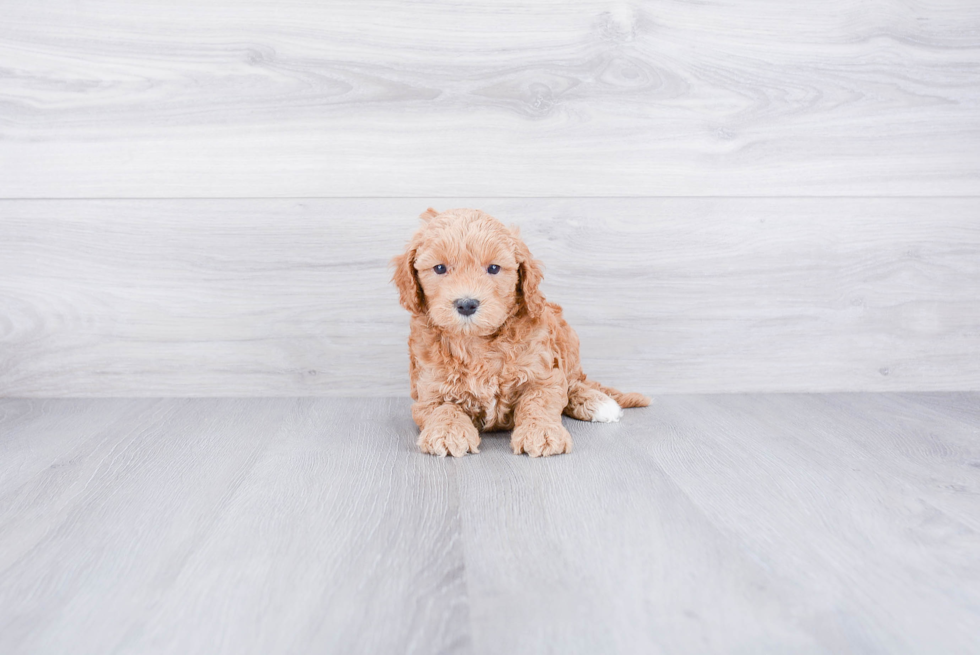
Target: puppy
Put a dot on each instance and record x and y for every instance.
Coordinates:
(486, 351)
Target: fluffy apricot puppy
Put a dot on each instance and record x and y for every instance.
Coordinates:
(487, 352)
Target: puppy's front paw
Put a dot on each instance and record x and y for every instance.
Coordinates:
(454, 438)
(541, 440)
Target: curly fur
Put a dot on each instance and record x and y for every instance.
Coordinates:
(513, 365)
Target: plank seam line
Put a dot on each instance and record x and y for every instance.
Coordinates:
(476, 197)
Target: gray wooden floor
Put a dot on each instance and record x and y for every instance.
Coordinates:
(724, 523)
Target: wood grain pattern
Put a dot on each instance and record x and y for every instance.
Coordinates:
(842, 523)
(502, 98)
(212, 526)
(291, 297)
(839, 491)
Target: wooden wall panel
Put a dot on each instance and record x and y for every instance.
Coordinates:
(291, 297)
(109, 99)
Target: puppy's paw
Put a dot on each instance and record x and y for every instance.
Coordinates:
(541, 440)
(455, 438)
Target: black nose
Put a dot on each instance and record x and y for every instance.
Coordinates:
(466, 306)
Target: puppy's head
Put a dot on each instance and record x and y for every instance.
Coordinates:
(467, 272)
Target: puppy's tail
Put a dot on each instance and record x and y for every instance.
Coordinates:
(590, 401)
(625, 400)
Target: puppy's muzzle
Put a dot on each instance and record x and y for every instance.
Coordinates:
(466, 306)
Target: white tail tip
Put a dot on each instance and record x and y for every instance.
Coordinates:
(608, 411)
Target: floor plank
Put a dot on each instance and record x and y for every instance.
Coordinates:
(818, 491)
(513, 98)
(235, 526)
(602, 552)
(668, 295)
(840, 523)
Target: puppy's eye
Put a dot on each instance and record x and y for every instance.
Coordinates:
(493, 269)
(440, 269)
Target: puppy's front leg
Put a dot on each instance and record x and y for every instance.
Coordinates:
(537, 421)
(445, 429)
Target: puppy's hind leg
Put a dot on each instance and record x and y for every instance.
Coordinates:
(588, 404)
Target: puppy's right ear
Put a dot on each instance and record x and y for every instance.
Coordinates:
(406, 279)
(428, 215)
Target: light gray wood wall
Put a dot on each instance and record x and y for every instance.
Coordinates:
(200, 198)
(291, 297)
(489, 98)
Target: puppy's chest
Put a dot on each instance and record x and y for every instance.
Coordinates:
(486, 389)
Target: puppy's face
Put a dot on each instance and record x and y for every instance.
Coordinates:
(466, 271)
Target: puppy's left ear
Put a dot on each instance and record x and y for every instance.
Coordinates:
(529, 276)
(406, 279)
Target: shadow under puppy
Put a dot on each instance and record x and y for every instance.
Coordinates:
(487, 351)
